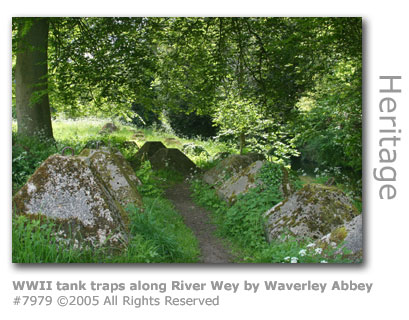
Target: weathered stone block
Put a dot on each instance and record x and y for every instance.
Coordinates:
(240, 183)
(116, 174)
(85, 195)
(108, 128)
(146, 152)
(170, 158)
(349, 236)
(194, 149)
(172, 141)
(228, 167)
(311, 212)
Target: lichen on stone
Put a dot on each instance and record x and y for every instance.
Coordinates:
(229, 167)
(240, 183)
(314, 211)
(85, 195)
(349, 236)
(117, 175)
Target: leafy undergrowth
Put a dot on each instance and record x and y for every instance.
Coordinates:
(155, 182)
(27, 156)
(243, 224)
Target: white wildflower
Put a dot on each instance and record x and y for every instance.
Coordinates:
(294, 259)
(318, 250)
(324, 261)
(311, 245)
(287, 259)
(302, 252)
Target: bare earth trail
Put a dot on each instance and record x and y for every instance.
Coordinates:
(198, 220)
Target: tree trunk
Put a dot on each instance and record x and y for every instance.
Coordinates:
(31, 74)
(242, 141)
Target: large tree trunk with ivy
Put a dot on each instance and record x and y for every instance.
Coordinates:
(32, 103)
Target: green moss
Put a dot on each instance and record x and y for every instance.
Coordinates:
(85, 153)
(327, 208)
(75, 167)
(338, 235)
(232, 198)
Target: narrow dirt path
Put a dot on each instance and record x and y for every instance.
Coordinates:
(197, 219)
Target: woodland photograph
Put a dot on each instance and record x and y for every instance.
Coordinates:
(187, 140)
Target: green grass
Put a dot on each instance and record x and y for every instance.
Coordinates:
(35, 242)
(78, 132)
(29, 153)
(162, 225)
(157, 235)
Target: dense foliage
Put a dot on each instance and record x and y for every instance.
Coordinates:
(279, 86)
(330, 117)
(191, 125)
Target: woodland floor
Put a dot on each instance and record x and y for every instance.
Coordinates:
(198, 220)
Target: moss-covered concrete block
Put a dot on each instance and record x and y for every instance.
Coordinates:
(146, 152)
(311, 212)
(229, 167)
(116, 174)
(240, 183)
(172, 142)
(348, 236)
(85, 195)
(174, 159)
(108, 128)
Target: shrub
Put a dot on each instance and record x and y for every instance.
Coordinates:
(145, 116)
(27, 155)
(191, 125)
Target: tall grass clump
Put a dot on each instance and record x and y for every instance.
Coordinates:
(160, 224)
(35, 241)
